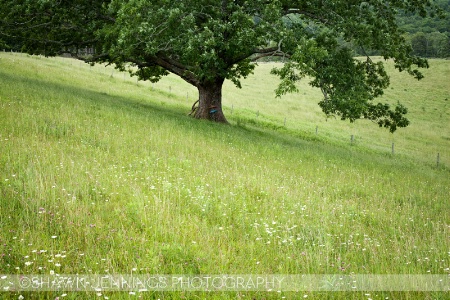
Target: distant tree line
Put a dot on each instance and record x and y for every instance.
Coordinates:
(432, 44)
(428, 37)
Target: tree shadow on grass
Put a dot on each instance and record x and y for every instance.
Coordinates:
(92, 97)
(246, 131)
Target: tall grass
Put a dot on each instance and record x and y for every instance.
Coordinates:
(102, 174)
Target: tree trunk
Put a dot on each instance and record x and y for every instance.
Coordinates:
(210, 101)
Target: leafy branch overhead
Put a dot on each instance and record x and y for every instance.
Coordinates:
(206, 42)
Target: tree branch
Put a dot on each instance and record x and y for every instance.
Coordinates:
(297, 11)
(272, 51)
(175, 67)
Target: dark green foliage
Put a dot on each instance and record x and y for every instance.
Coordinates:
(433, 44)
(437, 21)
(430, 36)
(205, 42)
(51, 27)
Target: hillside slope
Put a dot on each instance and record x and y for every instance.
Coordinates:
(100, 174)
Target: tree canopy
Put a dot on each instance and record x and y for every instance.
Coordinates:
(206, 42)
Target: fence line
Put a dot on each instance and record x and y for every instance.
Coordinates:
(353, 138)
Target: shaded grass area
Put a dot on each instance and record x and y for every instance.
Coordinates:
(101, 175)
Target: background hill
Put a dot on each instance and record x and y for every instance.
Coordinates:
(101, 174)
(413, 23)
(429, 37)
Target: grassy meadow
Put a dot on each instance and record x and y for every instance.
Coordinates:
(101, 174)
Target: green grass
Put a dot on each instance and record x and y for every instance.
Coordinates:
(100, 174)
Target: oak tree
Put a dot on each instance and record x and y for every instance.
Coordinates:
(206, 42)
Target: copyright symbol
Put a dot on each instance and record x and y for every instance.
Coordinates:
(25, 282)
